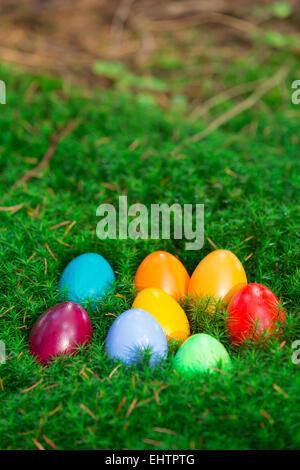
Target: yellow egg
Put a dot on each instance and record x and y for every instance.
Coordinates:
(219, 276)
(166, 311)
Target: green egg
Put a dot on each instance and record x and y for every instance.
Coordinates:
(199, 354)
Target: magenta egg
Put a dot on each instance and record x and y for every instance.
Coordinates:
(60, 330)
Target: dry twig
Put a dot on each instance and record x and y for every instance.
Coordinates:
(12, 209)
(118, 22)
(55, 140)
(32, 387)
(243, 105)
(216, 100)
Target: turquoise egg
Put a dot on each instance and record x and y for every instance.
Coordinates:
(86, 279)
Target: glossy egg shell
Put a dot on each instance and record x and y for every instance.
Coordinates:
(60, 330)
(219, 276)
(134, 332)
(166, 311)
(199, 354)
(254, 312)
(86, 278)
(163, 270)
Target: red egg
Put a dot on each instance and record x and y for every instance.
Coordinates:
(60, 330)
(254, 313)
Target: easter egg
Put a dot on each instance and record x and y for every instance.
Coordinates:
(60, 330)
(201, 353)
(254, 313)
(133, 334)
(86, 278)
(163, 270)
(166, 311)
(218, 276)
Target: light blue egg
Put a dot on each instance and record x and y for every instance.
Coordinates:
(86, 279)
(133, 333)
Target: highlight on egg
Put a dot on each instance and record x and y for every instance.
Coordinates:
(199, 354)
(87, 278)
(218, 276)
(163, 270)
(166, 311)
(135, 334)
(254, 314)
(59, 331)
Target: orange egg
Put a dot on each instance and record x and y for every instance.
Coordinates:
(163, 270)
(219, 276)
(166, 311)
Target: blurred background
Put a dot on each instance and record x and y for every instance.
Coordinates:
(175, 52)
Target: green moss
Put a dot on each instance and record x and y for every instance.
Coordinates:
(247, 177)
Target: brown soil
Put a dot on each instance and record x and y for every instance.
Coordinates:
(66, 37)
